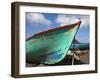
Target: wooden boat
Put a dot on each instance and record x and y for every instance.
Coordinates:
(51, 46)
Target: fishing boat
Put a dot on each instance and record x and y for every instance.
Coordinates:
(51, 46)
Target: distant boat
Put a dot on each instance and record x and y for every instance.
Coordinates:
(80, 46)
(51, 46)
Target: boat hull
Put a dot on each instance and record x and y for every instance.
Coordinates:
(51, 47)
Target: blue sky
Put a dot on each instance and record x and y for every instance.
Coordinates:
(37, 22)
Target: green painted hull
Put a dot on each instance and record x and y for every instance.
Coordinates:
(51, 47)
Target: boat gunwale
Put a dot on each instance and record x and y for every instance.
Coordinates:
(58, 28)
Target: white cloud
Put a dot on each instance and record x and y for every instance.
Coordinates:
(38, 18)
(85, 21)
(66, 20)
